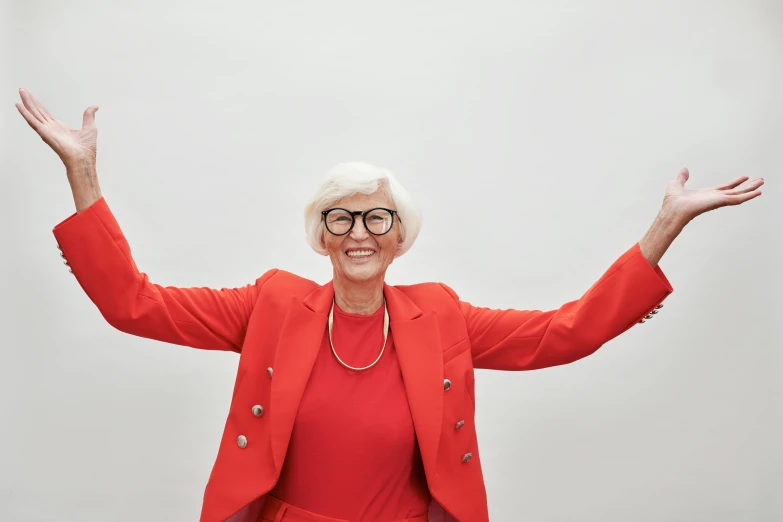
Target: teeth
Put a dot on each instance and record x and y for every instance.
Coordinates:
(360, 253)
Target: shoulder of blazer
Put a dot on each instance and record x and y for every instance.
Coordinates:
(276, 282)
(428, 296)
(439, 298)
(428, 291)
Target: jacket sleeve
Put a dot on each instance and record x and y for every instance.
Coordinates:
(99, 256)
(626, 294)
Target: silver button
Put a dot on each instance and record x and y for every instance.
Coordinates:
(62, 255)
(258, 410)
(446, 384)
(59, 247)
(241, 441)
(659, 306)
(71, 271)
(649, 316)
(653, 312)
(466, 457)
(65, 262)
(642, 321)
(459, 424)
(269, 372)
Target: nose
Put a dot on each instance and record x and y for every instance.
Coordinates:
(358, 232)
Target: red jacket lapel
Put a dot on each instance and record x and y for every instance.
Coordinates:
(300, 338)
(418, 345)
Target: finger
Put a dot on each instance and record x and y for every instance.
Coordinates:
(733, 183)
(88, 119)
(40, 106)
(31, 120)
(742, 198)
(30, 105)
(753, 185)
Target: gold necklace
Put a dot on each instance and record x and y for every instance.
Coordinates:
(385, 334)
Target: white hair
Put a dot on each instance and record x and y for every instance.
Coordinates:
(347, 179)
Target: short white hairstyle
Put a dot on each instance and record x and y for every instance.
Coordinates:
(347, 179)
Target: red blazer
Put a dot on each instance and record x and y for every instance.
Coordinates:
(276, 325)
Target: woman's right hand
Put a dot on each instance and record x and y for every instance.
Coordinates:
(72, 146)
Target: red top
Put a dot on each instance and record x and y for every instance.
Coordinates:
(353, 451)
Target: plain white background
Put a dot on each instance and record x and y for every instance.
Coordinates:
(537, 138)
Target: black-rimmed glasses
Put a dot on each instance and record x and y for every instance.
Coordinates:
(377, 221)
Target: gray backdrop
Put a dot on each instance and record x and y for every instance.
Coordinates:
(538, 140)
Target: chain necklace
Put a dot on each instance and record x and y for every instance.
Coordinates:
(385, 334)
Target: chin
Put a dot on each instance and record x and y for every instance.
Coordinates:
(364, 276)
(361, 274)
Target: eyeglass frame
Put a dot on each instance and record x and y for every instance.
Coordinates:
(362, 213)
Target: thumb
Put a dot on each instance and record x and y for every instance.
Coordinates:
(88, 120)
(683, 176)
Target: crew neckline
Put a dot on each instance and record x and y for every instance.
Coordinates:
(378, 312)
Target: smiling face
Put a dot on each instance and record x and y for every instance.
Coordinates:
(360, 256)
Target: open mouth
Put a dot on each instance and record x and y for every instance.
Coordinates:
(359, 254)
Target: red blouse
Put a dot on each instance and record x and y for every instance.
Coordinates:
(353, 452)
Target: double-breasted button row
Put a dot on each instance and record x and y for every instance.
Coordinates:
(65, 261)
(446, 387)
(257, 410)
(652, 313)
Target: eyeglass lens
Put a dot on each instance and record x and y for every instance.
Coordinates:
(378, 221)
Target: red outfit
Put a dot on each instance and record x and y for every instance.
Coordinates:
(277, 324)
(353, 452)
(275, 510)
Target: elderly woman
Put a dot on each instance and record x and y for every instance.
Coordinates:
(353, 400)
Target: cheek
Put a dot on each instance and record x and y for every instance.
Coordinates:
(332, 247)
(389, 249)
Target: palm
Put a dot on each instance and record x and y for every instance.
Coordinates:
(691, 203)
(69, 144)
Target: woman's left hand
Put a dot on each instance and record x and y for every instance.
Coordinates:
(687, 204)
(681, 205)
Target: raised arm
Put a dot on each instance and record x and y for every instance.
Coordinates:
(99, 256)
(97, 253)
(623, 296)
(629, 292)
